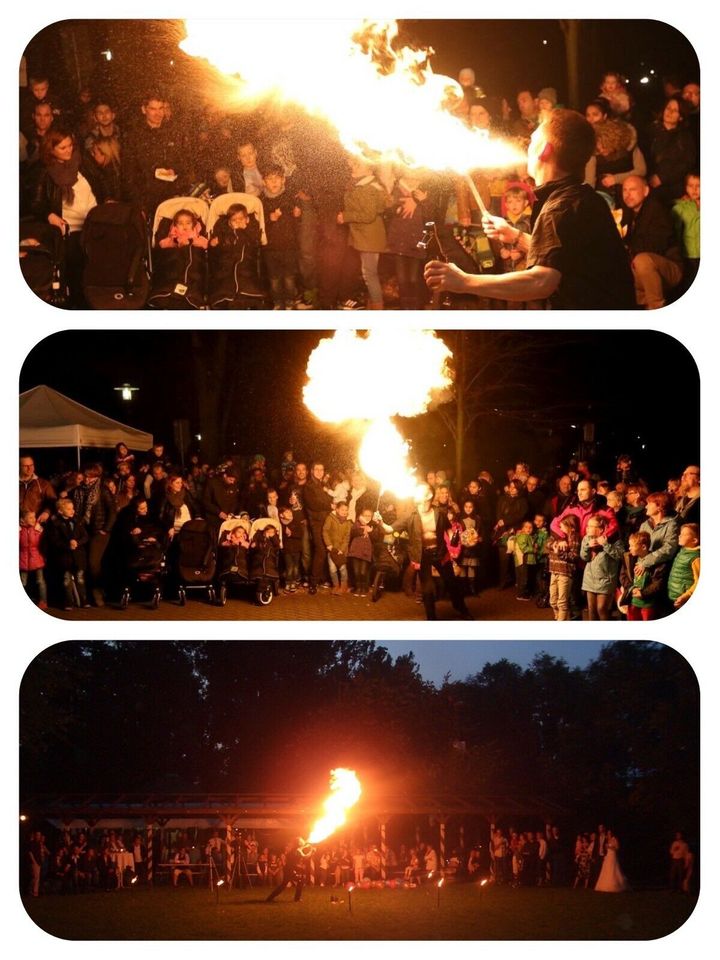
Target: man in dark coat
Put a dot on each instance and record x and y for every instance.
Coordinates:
(153, 158)
(655, 252)
(317, 502)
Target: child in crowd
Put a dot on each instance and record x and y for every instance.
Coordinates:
(563, 559)
(360, 551)
(32, 562)
(602, 563)
(66, 540)
(185, 231)
(336, 537)
(685, 570)
(280, 254)
(686, 216)
(292, 544)
(526, 548)
(265, 554)
(364, 204)
(516, 210)
(642, 594)
(542, 535)
(452, 538)
(470, 540)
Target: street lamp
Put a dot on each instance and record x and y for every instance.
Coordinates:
(126, 391)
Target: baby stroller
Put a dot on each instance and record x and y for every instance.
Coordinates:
(114, 241)
(196, 548)
(144, 573)
(264, 572)
(178, 273)
(234, 272)
(41, 261)
(232, 565)
(388, 561)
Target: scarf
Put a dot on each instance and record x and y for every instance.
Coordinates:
(64, 175)
(176, 499)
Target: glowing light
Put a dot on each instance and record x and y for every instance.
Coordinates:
(383, 454)
(220, 883)
(345, 792)
(134, 880)
(23, 818)
(400, 107)
(644, 79)
(107, 54)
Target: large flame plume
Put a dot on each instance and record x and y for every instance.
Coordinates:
(385, 103)
(345, 792)
(425, 360)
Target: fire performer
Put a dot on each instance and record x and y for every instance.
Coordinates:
(575, 257)
(295, 870)
(426, 527)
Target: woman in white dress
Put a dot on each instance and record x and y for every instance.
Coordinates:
(611, 879)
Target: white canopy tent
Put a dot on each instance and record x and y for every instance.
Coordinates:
(50, 419)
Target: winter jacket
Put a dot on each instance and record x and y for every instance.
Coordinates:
(651, 582)
(37, 495)
(686, 218)
(651, 230)
(264, 553)
(47, 197)
(221, 498)
(363, 208)
(30, 556)
(663, 541)
(59, 532)
(602, 565)
(583, 511)
(336, 533)
(316, 501)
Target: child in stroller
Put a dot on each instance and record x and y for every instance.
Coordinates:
(264, 556)
(234, 259)
(233, 549)
(135, 560)
(179, 259)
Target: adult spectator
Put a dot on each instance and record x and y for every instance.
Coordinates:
(42, 121)
(655, 253)
(586, 503)
(663, 530)
(36, 494)
(222, 497)
(672, 152)
(176, 506)
(613, 89)
(562, 497)
(617, 156)
(535, 496)
(103, 124)
(153, 157)
(679, 851)
(105, 166)
(182, 861)
(527, 121)
(98, 512)
(317, 502)
(688, 504)
(65, 193)
(37, 91)
(575, 257)
(597, 111)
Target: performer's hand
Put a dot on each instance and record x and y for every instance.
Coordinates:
(496, 228)
(445, 276)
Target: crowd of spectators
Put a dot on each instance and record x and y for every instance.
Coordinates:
(86, 860)
(571, 539)
(340, 232)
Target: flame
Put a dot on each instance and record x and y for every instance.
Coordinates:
(385, 103)
(383, 453)
(345, 792)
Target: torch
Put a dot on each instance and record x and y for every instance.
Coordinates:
(441, 881)
(350, 890)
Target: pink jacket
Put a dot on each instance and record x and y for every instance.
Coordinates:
(583, 511)
(30, 556)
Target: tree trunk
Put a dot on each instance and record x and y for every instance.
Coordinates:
(571, 32)
(459, 355)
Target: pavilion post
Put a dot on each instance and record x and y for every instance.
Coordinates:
(383, 851)
(229, 853)
(442, 847)
(149, 842)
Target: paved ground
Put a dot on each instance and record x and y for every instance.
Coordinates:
(490, 605)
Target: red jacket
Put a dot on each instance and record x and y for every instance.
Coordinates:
(30, 556)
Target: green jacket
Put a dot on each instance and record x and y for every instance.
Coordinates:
(336, 533)
(686, 217)
(364, 205)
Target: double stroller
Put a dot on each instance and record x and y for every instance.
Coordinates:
(215, 275)
(248, 558)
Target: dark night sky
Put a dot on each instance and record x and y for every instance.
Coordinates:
(630, 383)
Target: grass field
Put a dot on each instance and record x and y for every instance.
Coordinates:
(465, 913)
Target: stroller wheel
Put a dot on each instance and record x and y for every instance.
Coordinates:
(182, 596)
(542, 601)
(125, 599)
(222, 594)
(264, 594)
(211, 594)
(377, 586)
